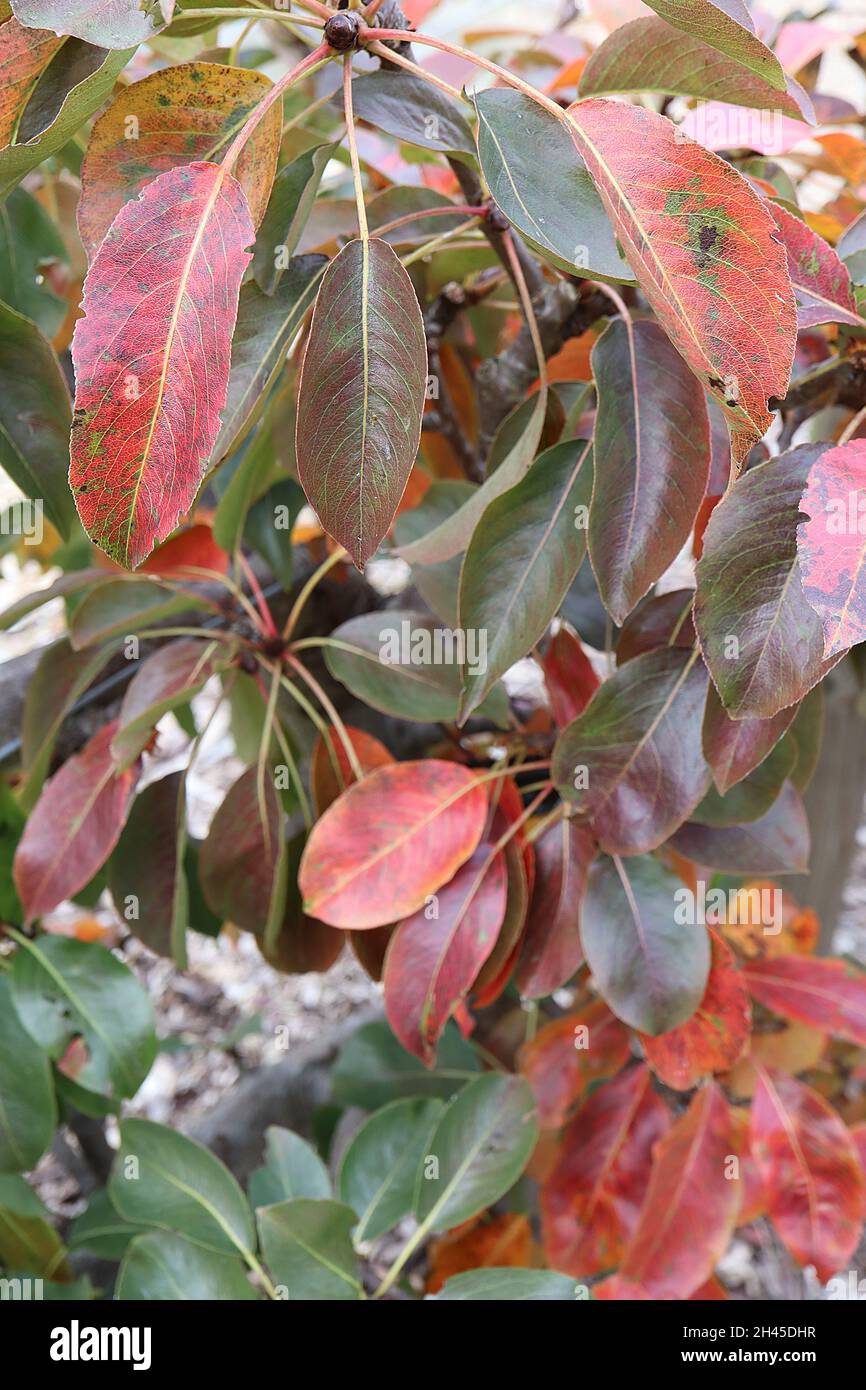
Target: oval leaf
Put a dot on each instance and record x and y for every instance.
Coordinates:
(378, 1170)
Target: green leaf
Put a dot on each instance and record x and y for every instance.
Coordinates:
(75, 84)
(65, 989)
(27, 1241)
(268, 528)
(307, 1247)
(101, 1229)
(373, 1068)
(361, 395)
(35, 417)
(124, 606)
(651, 969)
(159, 1266)
(481, 1145)
(729, 28)
(521, 561)
(652, 451)
(405, 664)
(266, 325)
(108, 23)
(538, 180)
(379, 1169)
(508, 1286)
(30, 245)
(167, 1180)
(12, 822)
(413, 110)
(293, 195)
(438, 584)
(292, 1168)
(28, 1110)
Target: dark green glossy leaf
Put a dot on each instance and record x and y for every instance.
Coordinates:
(522, 558)
(28, 1110)
(508, 1286)
(30, 248)
(308, 1249)
(480, 1145)
(294, 193)
(538, 180)
(27, 1240)
(650, 968)
(373, 1068)
(35, 417)
(413, 110)
(160, 1266)
(652, 451)
(61, 676)
(292, 1168)
(361, 395)
(101, 1229)
(379, 1169)
(167, 1180)
(631, 762)
(438, 584)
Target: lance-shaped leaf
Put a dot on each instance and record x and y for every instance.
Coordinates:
(75, 83)
(831, 545)
(691, 1204)
(822, 284)
(728, 26)
(591, 1200)
(713, 1038)
(64, 990)
(660, 620)
(482, 1141)
(569, 676)
(408, 664)
(760, 638)
(829, 995)
(379, 1169)
(434, 955)
(61, 676)
(649, 55)
(28, 1109)
(777, 843)
(361, 395)
(735, 747)
(180, 115)
(632, 763)
(308, 1249)
(552, 951)
(35, 416)
(158, 1265)
(406, 106)
(650, 965)
(74, 826)
(552, 201)
(651, 450)
(24, 56)
(390, 841)
(521, 561)
(330, 770)
(816, 1194)
(152, 356)
(243, 859)
(146, 875)
(163, 682)
(705, 251)
(293, 195)
(570, 1055)
(107, 23)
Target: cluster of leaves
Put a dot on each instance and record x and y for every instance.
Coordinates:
(590, 321)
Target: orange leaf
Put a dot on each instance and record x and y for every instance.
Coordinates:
(571, 1054)
(497, 1242)
(714, 1037)
(328, 782)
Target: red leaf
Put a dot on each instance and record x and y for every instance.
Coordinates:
(826, 994)
(832, 546)
(735, 747)
(239, 858)
(705, 250)
(552, 949)
(714, 1037)
(571, 1054)
(569, 676)
(328, 782)
(25, 55)
(193, 548)
(591, 1201)
(170, 676)
(390, 841)
(152, 356)
(690, 1206)
(822, 285)
(435, 955)
(74, 826)
(813, 1176)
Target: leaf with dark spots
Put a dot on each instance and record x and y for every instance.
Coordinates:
(361, 395)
